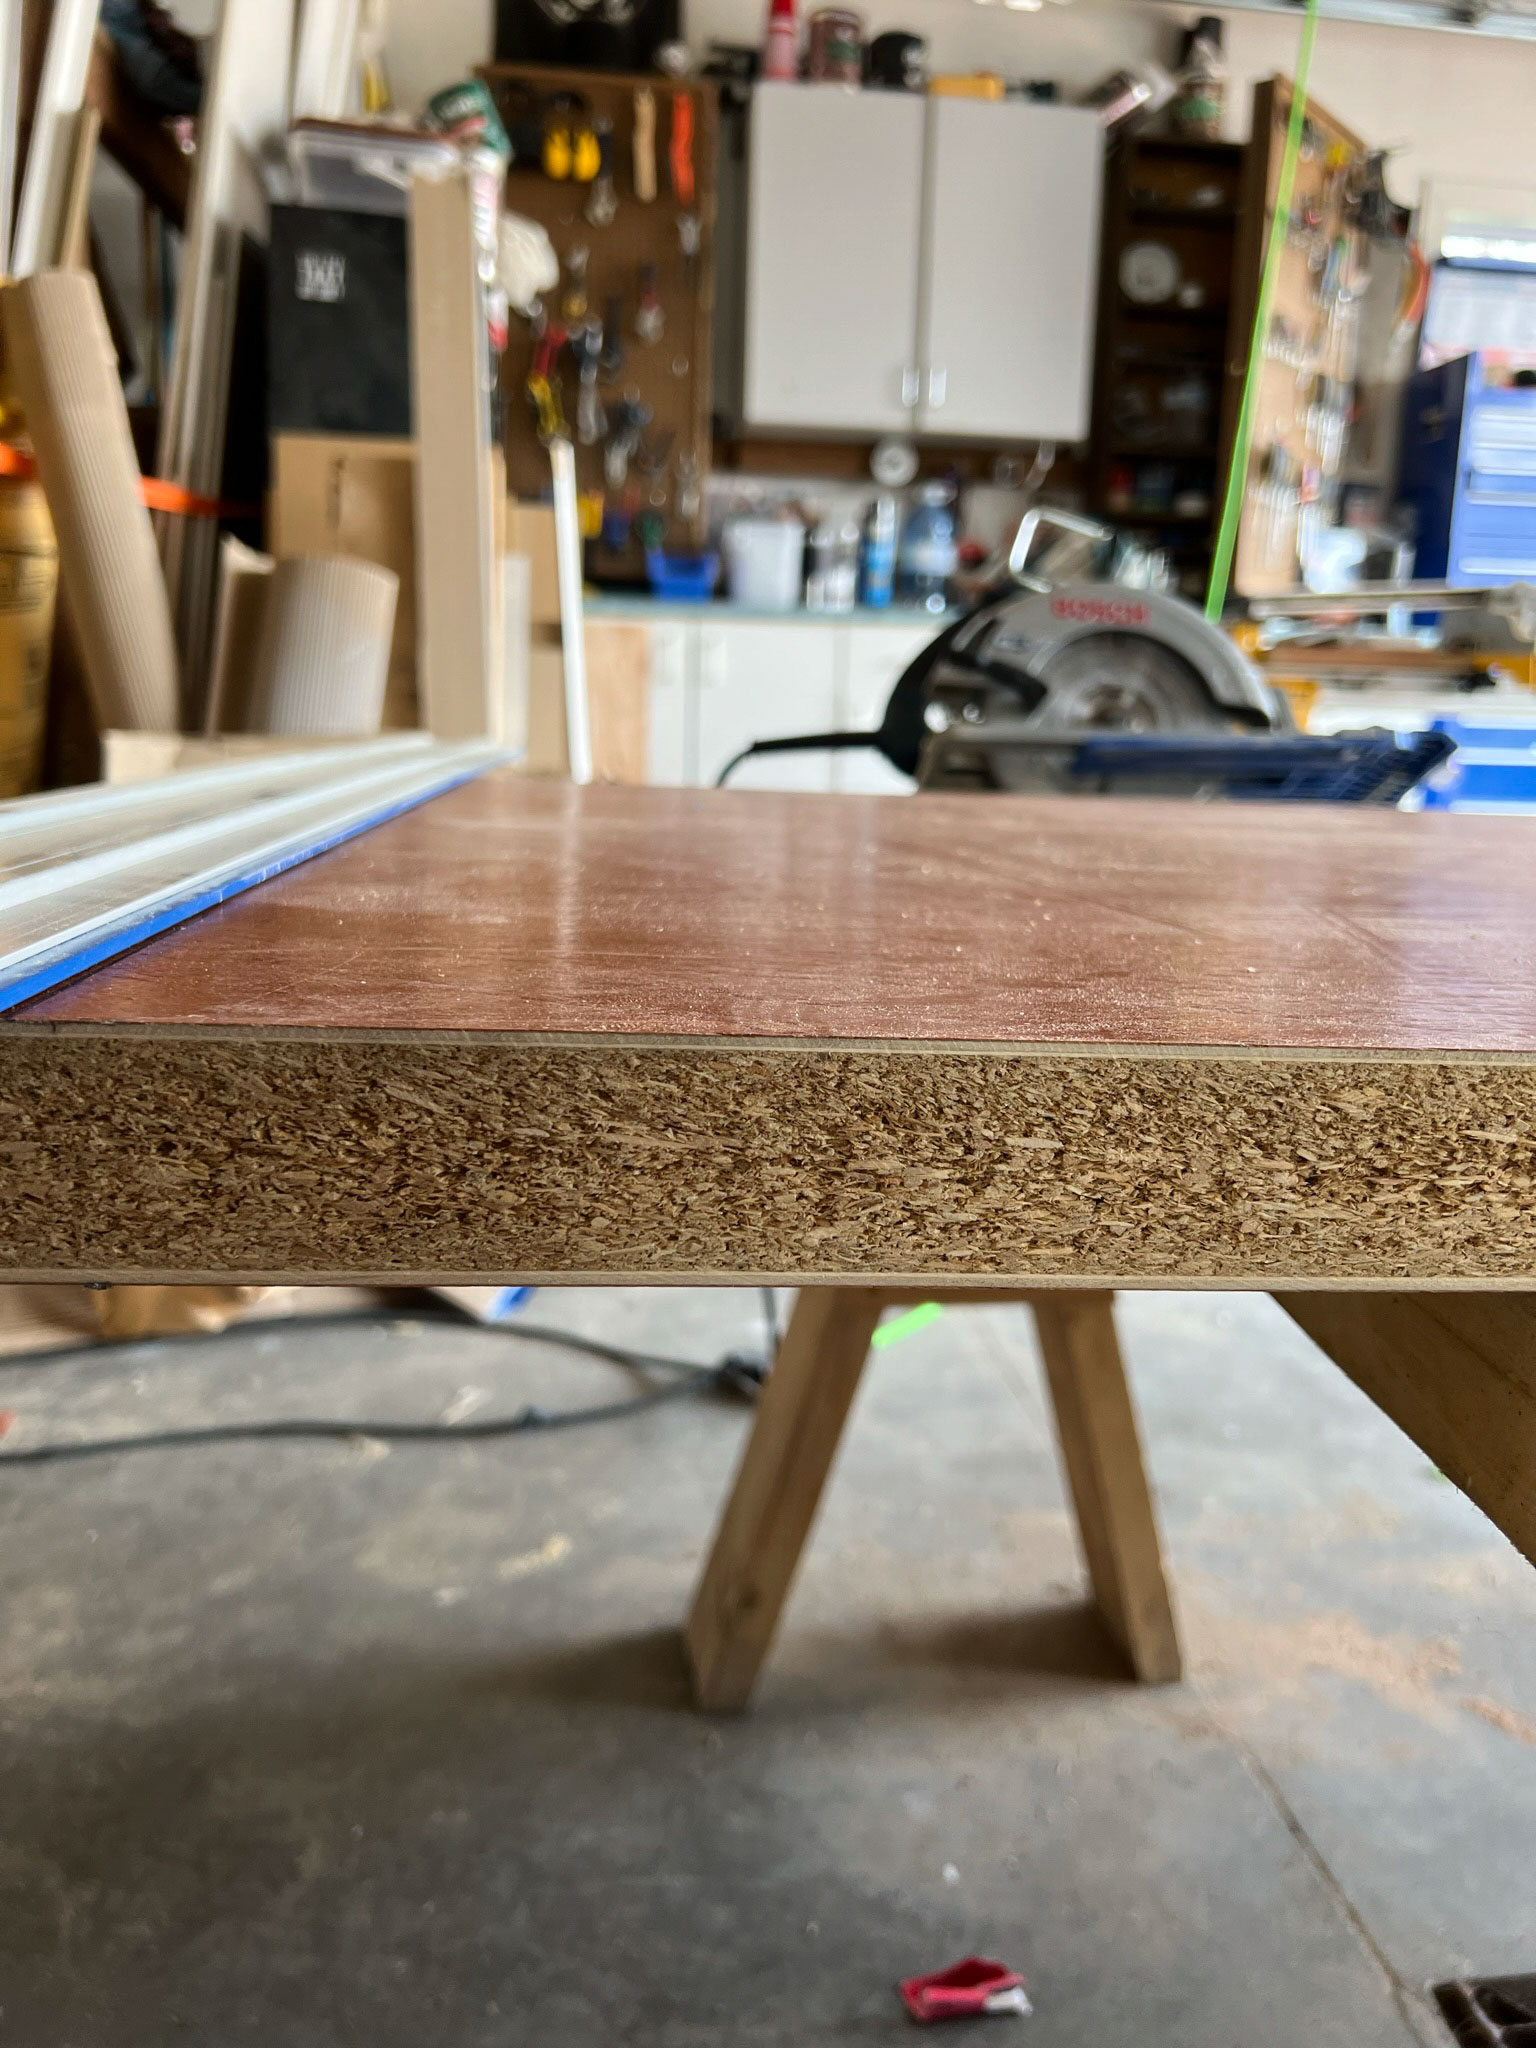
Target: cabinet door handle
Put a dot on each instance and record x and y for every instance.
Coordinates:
(911, 384)
(938, 387)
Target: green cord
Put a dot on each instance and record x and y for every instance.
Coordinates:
(1242, 440)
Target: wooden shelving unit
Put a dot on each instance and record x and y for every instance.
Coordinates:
(1154, 466)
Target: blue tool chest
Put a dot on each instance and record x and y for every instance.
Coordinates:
(1492, 769)
(1468, 475)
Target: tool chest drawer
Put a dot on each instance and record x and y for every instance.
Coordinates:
(1492, 561)
(1503, 486)
(1469, 473)
(1478, 520)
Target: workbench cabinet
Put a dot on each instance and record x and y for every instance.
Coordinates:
(716, 683)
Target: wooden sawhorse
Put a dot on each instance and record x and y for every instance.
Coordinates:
(789, 1454)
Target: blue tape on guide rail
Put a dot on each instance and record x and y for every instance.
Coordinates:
(48, 971)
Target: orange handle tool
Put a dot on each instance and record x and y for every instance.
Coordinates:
(682, 148)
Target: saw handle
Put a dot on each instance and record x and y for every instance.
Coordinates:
(1046, 515)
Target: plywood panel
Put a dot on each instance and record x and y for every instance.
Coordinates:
(145, 1156)
(458, 659)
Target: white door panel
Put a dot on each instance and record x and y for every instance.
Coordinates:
(671, 740)
(875, 658)
(834, 220)
(759, 682)
(1010, 270)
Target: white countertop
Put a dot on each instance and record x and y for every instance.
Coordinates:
(635, 605)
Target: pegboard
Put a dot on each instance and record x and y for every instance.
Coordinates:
(673, 375)
(1310, 352)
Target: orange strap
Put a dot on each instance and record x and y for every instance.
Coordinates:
(158, 495)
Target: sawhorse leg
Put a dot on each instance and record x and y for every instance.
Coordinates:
(777, 1490)
(1107, 1474)
(789, 1454)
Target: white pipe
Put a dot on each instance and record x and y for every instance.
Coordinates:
(573, 639)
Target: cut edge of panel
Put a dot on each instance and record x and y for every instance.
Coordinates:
(187, 1157)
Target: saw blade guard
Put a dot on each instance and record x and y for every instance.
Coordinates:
(1106, 658)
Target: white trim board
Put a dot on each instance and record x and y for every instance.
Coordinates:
(85, 875)
(245, 113)
(323, 61)
(51, 152)
(10, 121)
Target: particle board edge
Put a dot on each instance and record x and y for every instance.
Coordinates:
(925, 1287)
(155, 1155)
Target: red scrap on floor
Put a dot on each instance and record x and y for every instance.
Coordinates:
(965, 1990)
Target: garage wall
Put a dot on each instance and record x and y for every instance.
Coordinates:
(432, 42)
(1456, 105)
(431, 39)
(1448, 99)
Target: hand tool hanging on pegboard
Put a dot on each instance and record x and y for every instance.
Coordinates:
(603, 202)
(570, 143)
(680, 155)
(544, 385)
(644, 145)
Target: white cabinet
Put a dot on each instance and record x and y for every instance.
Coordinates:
(834, 209)
(872, 661)
(759, 682)
(920, 264)
(1005, 331)
(717, 684)
(672, 741)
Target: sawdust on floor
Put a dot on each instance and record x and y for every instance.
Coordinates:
(1272, 1658)
(1520, 1726)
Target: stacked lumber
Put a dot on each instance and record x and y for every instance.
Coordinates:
(167, 626)
(376, 596)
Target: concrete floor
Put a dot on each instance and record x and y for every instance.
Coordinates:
(312, 1744)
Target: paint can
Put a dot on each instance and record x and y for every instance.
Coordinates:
(29, 579)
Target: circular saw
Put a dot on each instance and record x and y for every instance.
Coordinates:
(1006, 695)
(1105, 688)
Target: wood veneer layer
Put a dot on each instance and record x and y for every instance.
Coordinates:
(512, 905)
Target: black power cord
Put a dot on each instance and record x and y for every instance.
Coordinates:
(739, 1374)
(800, 743)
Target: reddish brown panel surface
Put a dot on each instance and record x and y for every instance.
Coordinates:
(518, 906)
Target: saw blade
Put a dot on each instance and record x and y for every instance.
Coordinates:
(1122, 682)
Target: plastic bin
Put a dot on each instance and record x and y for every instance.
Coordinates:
(682, 579)
(361, 168)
